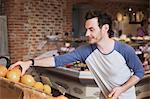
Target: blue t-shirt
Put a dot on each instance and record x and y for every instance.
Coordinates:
(112, 69)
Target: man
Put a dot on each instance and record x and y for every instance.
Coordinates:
(115, 66)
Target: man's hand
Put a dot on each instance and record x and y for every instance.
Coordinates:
(116, 92)
(24, 66)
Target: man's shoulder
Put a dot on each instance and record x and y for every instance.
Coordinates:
(87, 47)
(85, 50)
(123, 47)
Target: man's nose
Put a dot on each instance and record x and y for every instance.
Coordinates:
(87, 33)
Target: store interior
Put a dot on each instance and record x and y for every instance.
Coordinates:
(42, 28)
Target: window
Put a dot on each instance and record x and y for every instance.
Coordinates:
(3, 36)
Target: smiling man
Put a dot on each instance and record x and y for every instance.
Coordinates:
(115, 66)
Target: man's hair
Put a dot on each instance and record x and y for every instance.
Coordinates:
(103, 18)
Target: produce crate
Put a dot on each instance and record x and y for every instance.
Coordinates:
(12, 90)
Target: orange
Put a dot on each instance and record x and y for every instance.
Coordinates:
(13, 75)
(17, 69)
(47, 89)
(39, 86)
(28, 80)
(109, 97)
(3, 71)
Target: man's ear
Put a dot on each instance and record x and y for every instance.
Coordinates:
(106, 27)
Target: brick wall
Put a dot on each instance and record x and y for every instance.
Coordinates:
(29, 21)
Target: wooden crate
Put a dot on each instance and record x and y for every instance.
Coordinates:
(12, 90)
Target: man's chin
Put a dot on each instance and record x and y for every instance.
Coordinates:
(90, 42)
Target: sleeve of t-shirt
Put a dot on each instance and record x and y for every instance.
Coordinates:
(133, 62)
(79, 54)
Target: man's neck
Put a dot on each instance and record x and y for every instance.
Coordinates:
(106, 45)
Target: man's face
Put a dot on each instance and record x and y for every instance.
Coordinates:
(93, 32)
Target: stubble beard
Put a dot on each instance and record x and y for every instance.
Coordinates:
(94, 40)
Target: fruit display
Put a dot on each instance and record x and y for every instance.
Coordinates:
(77, 66)
(26, 81)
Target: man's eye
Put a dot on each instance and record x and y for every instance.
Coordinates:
(91, 30)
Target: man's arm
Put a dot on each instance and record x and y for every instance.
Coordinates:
(60, 60)
(131, 82)
(43, 62)
(118, 90)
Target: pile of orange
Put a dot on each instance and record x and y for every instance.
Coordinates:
(15, 76)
